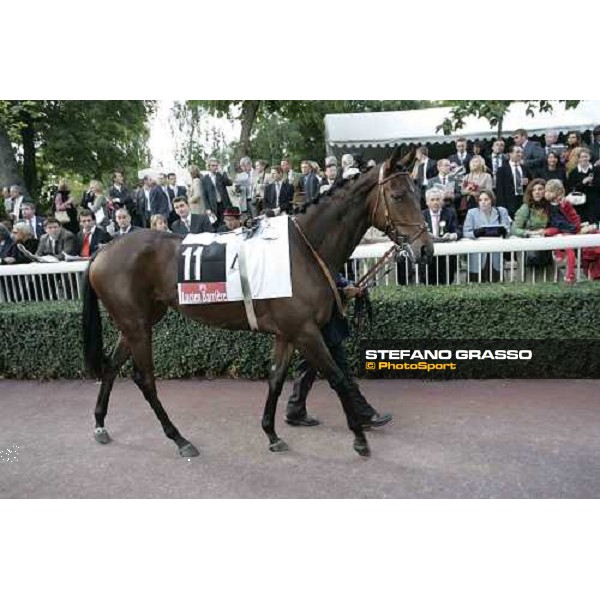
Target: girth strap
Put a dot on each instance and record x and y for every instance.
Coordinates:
(246, 290)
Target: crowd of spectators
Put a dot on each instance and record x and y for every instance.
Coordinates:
(533, 190)
(523, 190)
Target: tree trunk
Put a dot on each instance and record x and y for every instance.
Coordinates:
(29, 164)
(9, 170)
(249, 110)
(500, 122)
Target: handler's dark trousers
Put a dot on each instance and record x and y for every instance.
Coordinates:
(296, 407)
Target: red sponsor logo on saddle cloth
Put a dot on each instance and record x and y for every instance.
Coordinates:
(202, 293)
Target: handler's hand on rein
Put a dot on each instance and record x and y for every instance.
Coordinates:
(351, 292)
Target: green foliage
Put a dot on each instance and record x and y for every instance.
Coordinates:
(295, 127)
(77, 137)
(43, 340)
(492, 110)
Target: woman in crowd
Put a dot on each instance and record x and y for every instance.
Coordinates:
(585, 178)
(531, 220)
(485, 220)
(477, 180)
(563, 219)
(197, 204)
(572, 160)
(63, 203)
(88, 198)
(159, 223)
(100, 203)
(553, 169)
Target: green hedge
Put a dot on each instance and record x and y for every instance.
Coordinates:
(43, 340)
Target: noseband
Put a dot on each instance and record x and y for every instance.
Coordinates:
(391, 227)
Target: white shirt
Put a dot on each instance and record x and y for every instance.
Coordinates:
(17, 207)
(586, 171)
(213, 178)
(517, 168)
(435, 223)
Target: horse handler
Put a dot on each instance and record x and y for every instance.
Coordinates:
(334, 334)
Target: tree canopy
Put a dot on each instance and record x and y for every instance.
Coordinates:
(70, 138)
(493, 111)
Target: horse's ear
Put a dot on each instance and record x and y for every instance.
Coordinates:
(407, 159)
(395, 157)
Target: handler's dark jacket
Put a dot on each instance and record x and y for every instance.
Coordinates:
(337, 329)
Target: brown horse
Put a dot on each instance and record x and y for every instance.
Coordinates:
(135, 277)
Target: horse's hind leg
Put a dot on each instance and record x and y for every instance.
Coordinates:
(143, 375)
(311, 344)
(117, 359)
(282, 356)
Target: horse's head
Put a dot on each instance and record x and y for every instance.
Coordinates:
(396, 209)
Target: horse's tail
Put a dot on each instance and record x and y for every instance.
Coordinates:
(93, 350)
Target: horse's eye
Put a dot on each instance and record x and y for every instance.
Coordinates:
(396, 197)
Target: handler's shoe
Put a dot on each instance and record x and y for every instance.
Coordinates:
(377, 420)
(305, 421)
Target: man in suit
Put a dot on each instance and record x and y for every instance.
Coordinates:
(461, 158)
(36, 223)
(188, 222)
(142, 202)
(426, 169)
(56, 240)
(446, 182)
(279, 193)
(442, 224)
(160, 201)
(309, 184)
(214, 188)
(496, 160)
(123, 219)
(175, 191)
(91, 237)
(120, 194)
(511, 180)
(289, 174)
(330, 178)
(534, 157)
(595, 147)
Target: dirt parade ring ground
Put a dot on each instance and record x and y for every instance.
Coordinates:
(460, 439)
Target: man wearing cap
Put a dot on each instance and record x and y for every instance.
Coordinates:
(188, 222)
(595, 147)
(232, 217)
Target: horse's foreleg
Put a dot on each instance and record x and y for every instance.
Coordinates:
(311, 344)
(143, 375)
(118, 358)
(281, 361)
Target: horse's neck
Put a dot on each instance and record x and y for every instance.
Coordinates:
(336, 230)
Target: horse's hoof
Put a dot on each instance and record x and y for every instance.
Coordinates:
(362, 448)
(188, 451)
(279, 446)
(101, 435)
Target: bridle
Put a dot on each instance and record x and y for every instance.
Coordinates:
(392, 228)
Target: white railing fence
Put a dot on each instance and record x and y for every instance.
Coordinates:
(64, 281)
(452, 260)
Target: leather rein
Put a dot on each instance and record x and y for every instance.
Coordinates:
(402, 244)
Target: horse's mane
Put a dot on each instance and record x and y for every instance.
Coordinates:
(349, 190)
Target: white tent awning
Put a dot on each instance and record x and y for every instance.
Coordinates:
(382, 129)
